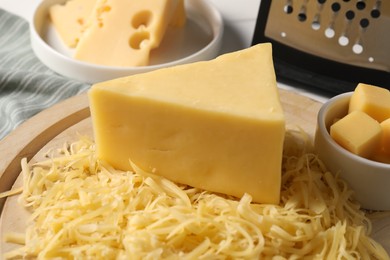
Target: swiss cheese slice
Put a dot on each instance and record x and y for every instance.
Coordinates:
(70, 19)
(216, 125)
(122, 33)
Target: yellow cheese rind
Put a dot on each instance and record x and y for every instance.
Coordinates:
(122, 33)
(362, 141)
(70, 19)
(216, 125)
(372, 100)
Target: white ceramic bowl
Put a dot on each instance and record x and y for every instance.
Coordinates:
(369, 179)
(200, 40)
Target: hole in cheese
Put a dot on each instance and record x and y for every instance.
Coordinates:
(100, 11)
(139, 39)
(70, 19)
(142, 19)
(104, 8)
(80, 21)
(110, 35)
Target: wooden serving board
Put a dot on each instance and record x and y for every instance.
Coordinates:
(64, 122)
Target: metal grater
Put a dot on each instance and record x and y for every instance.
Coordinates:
(328, 44)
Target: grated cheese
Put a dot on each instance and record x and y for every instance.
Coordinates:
(83, 208)
(10, 192)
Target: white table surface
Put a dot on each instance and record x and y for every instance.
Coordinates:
(239, 17)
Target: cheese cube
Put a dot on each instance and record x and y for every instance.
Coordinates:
(358, 133)
(372, 100)
(70, 19)
(382, 154)
(122, 33)
(386, 135)
(216, 125)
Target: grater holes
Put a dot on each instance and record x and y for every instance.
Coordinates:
(302, 17)
(344, 32)
(350, 15)
(315, 25)
(336, 7)
(302, 14)
(360, 5)
(364, 23)
(329, 32)
(357, 48)
(343, 26)
(343, 40)
(375, 13)
(288, 8)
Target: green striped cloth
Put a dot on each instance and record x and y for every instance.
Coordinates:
(27, 86)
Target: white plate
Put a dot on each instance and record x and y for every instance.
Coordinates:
(199, 40)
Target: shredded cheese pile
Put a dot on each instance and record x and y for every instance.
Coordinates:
(84, 209)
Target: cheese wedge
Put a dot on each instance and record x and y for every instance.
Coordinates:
(70, 19)
(372, 100)
(363, 142)
(216, 125)
(122, 33)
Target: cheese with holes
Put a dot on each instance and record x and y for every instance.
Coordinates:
(372, 100)
(362, 142)
(70, 19)
(216, 125)
(122, 33)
